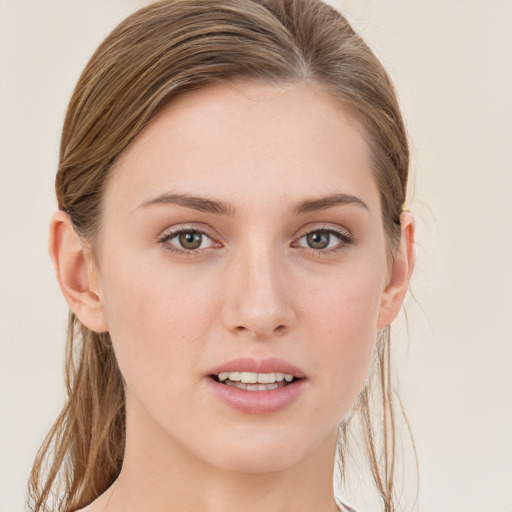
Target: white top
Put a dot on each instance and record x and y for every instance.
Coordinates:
(343, 507)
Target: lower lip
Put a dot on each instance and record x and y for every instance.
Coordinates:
(257, 402)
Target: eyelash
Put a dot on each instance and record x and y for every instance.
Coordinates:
(345, 240)
(165, 239)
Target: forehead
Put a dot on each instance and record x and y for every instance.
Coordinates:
(244, 141)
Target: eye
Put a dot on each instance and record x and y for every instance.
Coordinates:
(187, 240)
(325, 240)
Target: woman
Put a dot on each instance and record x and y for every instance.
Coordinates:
(233, 242)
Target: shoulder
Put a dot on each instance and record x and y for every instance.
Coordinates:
(96, 506)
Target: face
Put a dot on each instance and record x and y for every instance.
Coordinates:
(242, 239)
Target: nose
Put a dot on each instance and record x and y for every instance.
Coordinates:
(258, 295)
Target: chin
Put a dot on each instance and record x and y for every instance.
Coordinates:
(259, 461)
(262, 453)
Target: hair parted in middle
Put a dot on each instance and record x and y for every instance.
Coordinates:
(162, 51)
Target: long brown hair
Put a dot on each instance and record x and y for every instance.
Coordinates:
(158, 53)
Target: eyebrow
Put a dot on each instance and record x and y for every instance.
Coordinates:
(324, 203)
(206, 205)
(201, 204)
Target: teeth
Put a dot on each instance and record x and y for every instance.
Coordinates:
(235, 376)
(265, 378)
(254, 387)
(253, 378)
(248, 377)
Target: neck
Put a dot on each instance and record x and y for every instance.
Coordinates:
(162, 476)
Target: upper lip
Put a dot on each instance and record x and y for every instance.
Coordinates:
(268, 365)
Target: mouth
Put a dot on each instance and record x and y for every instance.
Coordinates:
(252, 381)
(252, 386)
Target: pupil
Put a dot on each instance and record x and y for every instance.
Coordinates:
(318, 239)
(190, 240)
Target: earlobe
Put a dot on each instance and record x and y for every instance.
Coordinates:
(401, 270)
(72, 268)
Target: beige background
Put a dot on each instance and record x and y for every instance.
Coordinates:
(451, 61)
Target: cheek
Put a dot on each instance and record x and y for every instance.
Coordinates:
(158, 319)
(344, 325)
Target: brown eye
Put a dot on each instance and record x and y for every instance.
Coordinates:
(190, 240)
(318, 239)
(325, 241)
(187, 241)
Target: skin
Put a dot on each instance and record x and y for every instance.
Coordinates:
(256, 288)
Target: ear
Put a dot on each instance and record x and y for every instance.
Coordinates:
(400, 275)
(74, 267)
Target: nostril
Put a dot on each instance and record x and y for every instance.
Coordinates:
(261, 331)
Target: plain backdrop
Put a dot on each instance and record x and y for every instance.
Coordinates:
(452, 64)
